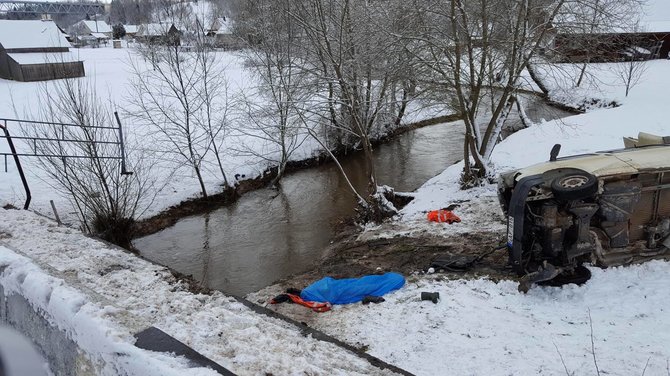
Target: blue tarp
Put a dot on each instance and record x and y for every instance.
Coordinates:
(351, 290)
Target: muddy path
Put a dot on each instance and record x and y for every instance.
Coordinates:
(349, 258)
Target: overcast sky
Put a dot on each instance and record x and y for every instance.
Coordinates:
(658, 10)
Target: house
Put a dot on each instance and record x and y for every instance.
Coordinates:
(159, 33)
(35, 51)
(98, 29)
(221, 32)
(92, 26)
(131, 30)
(652, 41)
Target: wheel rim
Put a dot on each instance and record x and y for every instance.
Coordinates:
(574, 181)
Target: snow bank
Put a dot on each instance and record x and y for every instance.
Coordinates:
(106, 345)
(132, 294)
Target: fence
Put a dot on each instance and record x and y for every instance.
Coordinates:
(67, 137)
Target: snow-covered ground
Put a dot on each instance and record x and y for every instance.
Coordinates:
(486, 327)
(479, 326)
(110, 72)
(101, 295)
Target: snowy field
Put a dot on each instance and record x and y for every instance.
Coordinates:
(110, 72)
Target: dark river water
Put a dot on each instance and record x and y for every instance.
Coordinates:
(270, 234)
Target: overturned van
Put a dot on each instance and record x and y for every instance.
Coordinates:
(607, 208)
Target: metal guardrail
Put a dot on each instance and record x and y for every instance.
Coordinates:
(35, 151)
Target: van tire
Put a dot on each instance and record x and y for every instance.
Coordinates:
(574, 185)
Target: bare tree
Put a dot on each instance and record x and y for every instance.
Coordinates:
(213, 91)
(338, 64)
(131, 12)
(631, 70)
(166, 99)
(271, 110)
(182, 95)
(583, 32)
(357, 67)
(474, 54)
(590, 28)
(107, 202)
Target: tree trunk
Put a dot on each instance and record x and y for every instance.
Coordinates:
(537, 79)
(202, 183)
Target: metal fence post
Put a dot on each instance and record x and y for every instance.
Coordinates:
(123, 149)
(18, 165)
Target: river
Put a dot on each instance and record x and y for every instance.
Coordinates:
(270, 234)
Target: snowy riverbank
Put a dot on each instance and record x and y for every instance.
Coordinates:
(486, 327)
(601, 129)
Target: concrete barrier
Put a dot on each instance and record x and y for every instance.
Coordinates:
(70, 330)
(61, 353)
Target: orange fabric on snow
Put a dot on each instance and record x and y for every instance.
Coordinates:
(443, 215)
(314, 306)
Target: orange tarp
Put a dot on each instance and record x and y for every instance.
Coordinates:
(443, 215)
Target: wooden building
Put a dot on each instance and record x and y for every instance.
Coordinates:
(131, 31)
(96, 30)
(222, 35)
(653, 42)
(159, 33)
(35, 51)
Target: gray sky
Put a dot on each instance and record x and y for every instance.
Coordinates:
(657, 10)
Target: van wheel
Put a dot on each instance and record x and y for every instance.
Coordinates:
(574, 184)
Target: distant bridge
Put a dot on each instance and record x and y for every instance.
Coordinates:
(36, 7)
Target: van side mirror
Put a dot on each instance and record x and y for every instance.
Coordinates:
(554, 152)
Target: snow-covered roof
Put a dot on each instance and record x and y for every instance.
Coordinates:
(222, 26)
(154, 29)
(98, 26)
(31, 34)
(43, 58)
(100, 35)
(131, 29)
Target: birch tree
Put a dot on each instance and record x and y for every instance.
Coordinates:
(473, 55)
